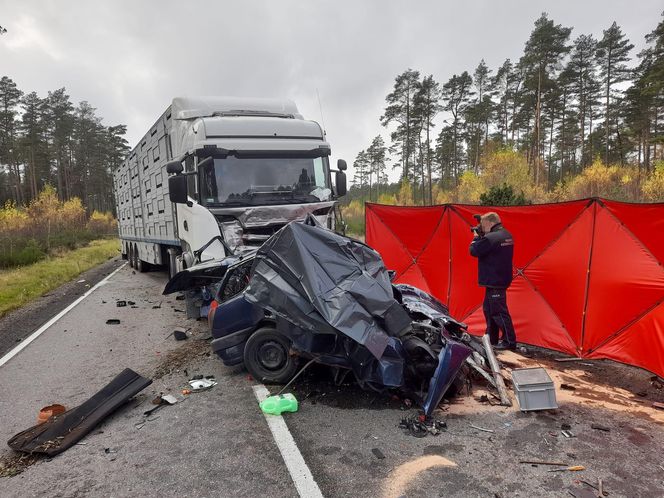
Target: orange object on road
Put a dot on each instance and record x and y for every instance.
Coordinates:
(48, 411)
(575, 468)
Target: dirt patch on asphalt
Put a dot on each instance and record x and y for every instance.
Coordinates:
(178, 359)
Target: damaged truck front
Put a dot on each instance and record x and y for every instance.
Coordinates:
(240, 169)
(309, 293)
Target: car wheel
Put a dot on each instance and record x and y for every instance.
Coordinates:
(267, 357)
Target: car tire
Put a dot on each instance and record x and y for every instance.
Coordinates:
(267, 357)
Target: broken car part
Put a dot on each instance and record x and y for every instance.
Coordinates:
(199, 385)
(60, 432)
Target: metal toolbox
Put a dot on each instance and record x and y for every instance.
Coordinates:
(534, 389)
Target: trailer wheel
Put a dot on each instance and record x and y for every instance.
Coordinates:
(135, 256)
(131, 255)
(267, 356)
(141, 265)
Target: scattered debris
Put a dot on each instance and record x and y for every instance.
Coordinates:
(565, 426)
(160, 401)
(113, 321)
(131, 303)
(481, 428)
(600, 427)
(478, 368)
(421, 425)
(81, 281)
(157, 306)
(659, 406)
(60, 432)
(378, 454)
(567, 433)
(567, 387)
(575, 468)
(538, 462)
(198, 385)
(121, 304)
(180, 297)
(603, 492)
(278, 404)
(180, 335)
(12, 465)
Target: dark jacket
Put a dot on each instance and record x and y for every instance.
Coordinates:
(494, 253)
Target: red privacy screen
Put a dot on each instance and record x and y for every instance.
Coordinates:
(588, 274)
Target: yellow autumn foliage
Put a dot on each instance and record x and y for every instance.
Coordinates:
(653, 187)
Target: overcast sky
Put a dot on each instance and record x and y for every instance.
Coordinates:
(130, 58)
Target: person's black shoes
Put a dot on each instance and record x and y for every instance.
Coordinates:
(502, 346)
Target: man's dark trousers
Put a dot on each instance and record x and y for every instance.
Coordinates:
(498, 317)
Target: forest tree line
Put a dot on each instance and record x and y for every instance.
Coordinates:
(568, 106)
(52, 141)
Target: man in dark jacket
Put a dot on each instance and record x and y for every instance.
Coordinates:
(494, 247)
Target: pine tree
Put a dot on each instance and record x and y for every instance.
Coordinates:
(542, 56)
(376, 157)
(582, 69)
(399, 110)
(10, 97)
(612, 53)
(502, 88)
(456, 97)
(361, 172)
(33, 141)
(427, 106)
(60, 121)
(480, 112)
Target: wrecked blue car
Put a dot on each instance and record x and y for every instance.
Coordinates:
(311, 294)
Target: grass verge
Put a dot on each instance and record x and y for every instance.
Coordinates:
(21, 285)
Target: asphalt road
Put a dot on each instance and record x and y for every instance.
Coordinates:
(217, 443)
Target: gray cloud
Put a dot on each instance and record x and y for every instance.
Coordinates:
(129, 59)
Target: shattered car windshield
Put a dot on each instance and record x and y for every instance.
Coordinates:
(259, 181)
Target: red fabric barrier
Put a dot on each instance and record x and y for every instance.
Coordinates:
(588, 274)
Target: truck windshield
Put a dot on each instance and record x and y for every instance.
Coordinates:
(258, 181)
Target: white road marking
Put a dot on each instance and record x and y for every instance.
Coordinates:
(57, 317)
(300, 473)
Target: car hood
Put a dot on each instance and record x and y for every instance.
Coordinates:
(205, 273)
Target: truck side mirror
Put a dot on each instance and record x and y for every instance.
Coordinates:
(177, 189)
(340, 181)
(341, 165)
(174, 167)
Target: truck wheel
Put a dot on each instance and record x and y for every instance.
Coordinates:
(141, 265)
(131, 256)
(267, 357)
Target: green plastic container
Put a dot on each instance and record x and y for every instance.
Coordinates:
(276, 405)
